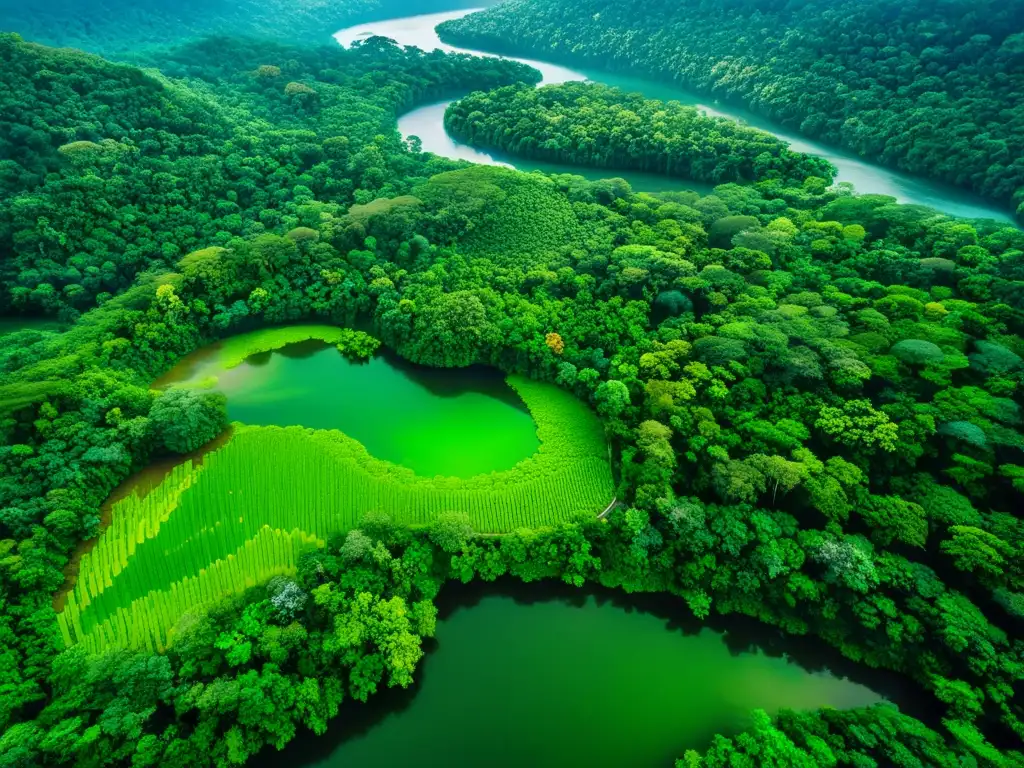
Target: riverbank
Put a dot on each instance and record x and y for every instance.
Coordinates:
(558, 659)
(428, 124)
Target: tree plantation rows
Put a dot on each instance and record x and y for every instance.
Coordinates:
(147, 623)
(812, 398)
(293, 487)
(930, 88)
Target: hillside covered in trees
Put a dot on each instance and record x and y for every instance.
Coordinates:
(599, 127)
(106, 171)
(930, 88)
(127, 29)
(811, 399)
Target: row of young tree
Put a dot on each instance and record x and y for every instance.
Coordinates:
(930, 88)
(814, 400)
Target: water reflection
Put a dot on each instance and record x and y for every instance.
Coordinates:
(521, 673)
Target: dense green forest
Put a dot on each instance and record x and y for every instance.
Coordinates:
(593, 125)
(931, 88)
(106, 170)
(813, 398)
(131, 30)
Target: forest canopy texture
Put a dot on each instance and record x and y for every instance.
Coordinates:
(930, 88)
(126, 28)
(813, 398)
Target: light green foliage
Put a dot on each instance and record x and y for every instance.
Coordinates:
(653, 441)
(148, 622)
(256, 503)
(235, 349)
(517, 217)
(858, 424)
(382, 206)
(357, 345)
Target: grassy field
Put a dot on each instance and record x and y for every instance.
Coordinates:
(257, 503)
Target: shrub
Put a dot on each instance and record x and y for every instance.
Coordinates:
(917, 352)
(357, 345)
(184, 419)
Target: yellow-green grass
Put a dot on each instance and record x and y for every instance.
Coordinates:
(191, 541)
(234, 350)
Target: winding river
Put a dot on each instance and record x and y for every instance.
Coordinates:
(428, 124)
(545, 679)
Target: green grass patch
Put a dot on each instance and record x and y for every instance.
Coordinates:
(235, 350)
(254, 505)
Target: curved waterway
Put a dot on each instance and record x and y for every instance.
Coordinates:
(428, 124)
(540, 675)
(451, 422)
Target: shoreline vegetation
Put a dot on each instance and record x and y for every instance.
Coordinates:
(859, 75)
(235, 349)
(595, 126)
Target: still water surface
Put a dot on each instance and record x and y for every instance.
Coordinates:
(542, 679)
(556, 680)
(9, 325)
(452, 422)
(427, 123)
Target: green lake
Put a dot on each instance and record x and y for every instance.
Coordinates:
(550, 678)
(452, 422)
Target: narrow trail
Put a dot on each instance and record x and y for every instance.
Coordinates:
(614, 503)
